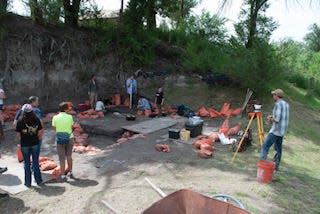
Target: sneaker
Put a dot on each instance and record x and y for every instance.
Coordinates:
(3, 195)
(63, 178)
(3, 169)
(69, 174)
(40, 183)
(27, 185)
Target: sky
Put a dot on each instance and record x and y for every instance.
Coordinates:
(294, 20)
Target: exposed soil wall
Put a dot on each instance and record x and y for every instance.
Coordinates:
(51, 62)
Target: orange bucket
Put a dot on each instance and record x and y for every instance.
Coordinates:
(265, 171)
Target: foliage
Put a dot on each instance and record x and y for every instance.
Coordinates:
(134, 15)
(263, 25)
(177, 10)
(203, 56)
(109, 36)
(300, 63)
(313, 38)
(141, 13)
(207, 27)
(137, 49)
(3, 7)
(252, 67)
(91, 16)
(52, 10)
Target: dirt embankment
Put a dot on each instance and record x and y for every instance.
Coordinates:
(51, 61)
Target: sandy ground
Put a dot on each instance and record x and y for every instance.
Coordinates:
(117, 176)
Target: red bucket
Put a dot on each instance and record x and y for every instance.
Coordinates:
(265, 171)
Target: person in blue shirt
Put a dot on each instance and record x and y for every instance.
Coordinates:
(279, 120)
(131, 85)
(34, 102)
(143, 104)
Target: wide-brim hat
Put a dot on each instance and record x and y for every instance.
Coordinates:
(279, 92)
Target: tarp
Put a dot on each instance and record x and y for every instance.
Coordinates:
(225, 111)
(189, 202)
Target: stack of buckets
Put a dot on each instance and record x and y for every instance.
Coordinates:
(265, 171)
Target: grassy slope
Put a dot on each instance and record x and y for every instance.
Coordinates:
(297, 188)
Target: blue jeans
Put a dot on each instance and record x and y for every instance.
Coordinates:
(33, 151)
(269, 141)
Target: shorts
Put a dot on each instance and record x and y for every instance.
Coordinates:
(65, 150)
(93, 96)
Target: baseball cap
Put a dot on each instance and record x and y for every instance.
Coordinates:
(26, 108)
(278, 92)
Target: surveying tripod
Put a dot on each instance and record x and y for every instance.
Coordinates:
(252, 115)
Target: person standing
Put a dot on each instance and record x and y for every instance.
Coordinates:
(30, 131)
(34, 102)
(279, 120)
(131, 85)
(62, 124)
(93, 91)
(2, 97)
(159, 99)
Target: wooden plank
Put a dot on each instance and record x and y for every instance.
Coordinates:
(150, 126)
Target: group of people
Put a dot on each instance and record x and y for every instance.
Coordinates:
(141, 104)
(30, 128)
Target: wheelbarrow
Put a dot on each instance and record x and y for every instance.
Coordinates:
(188, 202)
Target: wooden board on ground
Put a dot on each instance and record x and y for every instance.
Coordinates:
(150, 126)
(12, 181)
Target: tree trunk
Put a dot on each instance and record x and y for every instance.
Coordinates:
(252, 24)
(3, 7)
(71, 10)
(121, 10)
(36, 12)
(151, 14)
(255, 6)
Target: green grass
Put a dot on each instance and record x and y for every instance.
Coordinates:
(299, 95)
(296, 189)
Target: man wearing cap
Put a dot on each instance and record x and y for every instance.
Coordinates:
(34, 102)
(279, 120)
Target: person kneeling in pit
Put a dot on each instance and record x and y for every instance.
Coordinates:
(143, 104)
(100, 106)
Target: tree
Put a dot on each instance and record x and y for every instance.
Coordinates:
(254, 24)
(36, 12)
(71, 12)
(177, 11)
(143, 12)
(51, 10)
(207, 27)
(3, 7)
(312, 39)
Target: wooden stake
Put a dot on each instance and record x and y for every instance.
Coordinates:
(159, 191)
(110, 207)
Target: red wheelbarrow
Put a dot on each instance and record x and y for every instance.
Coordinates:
(188, 202)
